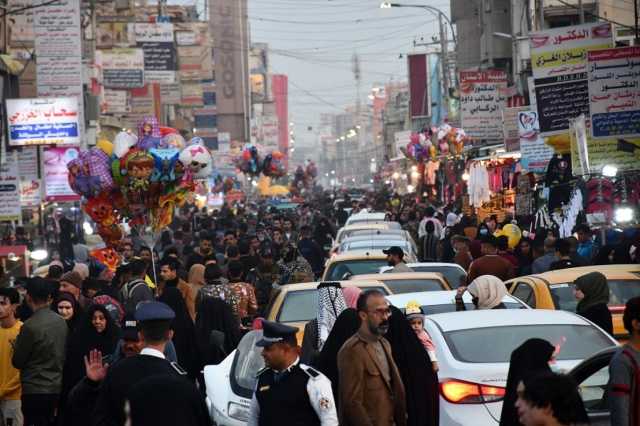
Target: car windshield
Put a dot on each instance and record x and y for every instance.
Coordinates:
(620, 292)
(454, 276)
(495, 344)
(414, 285)
(302, 305)
(248, 361)
(338, 270)
(373, 244)
(451, 307)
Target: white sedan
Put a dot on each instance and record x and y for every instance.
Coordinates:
(474, 348)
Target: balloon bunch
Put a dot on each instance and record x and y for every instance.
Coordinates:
(249, 161)
(138, 180)
(416, 150)
(273, 165)
(435, 141)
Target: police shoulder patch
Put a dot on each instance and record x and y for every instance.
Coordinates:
(310, 372)
(181, 371)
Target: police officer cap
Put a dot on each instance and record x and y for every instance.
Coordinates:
(150, 311)
(274, 332)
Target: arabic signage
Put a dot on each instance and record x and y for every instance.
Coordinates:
(43, 121)
(481, 103)
(401, 140)
(170, 94)
(159, 62)
(122, 68)
(115, 101)
(21, 23)
(614, 92)
(535, 153)
(9, 192)
(28, 162)
(621, 153)
(30, 192)
(59, 52)
(56, 175)
(510, 127)
(559, 64)
(154, 33)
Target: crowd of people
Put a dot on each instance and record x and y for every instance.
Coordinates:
(79, 340)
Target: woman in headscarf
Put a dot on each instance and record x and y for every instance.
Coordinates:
(331, 303)
(346, 325)
(69, 309)
(214, 314)
(487, 292)
(532, 357)
(419, 379)
(351, 295)
(98, 331)
(184, 334)
(592, 292)
(524, 254)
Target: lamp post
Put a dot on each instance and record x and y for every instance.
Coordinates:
(443, 41)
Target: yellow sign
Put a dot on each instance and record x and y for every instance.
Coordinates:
(621, 153)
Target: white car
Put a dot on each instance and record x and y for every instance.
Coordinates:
(230, 384)
(365, 217)
(452, 272)
(474, 348)
(438, 302)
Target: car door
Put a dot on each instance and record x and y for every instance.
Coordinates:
(592, 376)
(524, 291)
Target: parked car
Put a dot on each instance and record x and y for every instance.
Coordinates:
(452, 272)
(474, 349)
(347, 230)
(554, 289)
(357, 262)
(351, 244)
(406, 282)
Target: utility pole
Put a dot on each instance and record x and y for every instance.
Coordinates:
(540, 15)
(444, 64)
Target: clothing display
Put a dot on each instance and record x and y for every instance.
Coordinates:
(478, 185)
(430, 172)
(566, 218)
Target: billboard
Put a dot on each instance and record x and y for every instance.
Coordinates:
(56, 174)
(559, 64)
(420, 96)
(9, 191)
(614, 92)
(481, 103)
(43, 121)
(122, 68)
(535, 153)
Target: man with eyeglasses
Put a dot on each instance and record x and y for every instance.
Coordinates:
(371, 390)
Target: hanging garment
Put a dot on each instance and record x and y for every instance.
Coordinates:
(478, 185)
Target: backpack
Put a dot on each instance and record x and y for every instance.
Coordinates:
(128, 289)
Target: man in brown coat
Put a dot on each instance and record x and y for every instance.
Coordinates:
(371, 391)
(169, 275)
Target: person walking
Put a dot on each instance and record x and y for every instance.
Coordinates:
(287, 391)
(429, 244)
(10, 389)
(365, 362)
(244, 292)
(39, 353)
(395, 258)
(137, 290)
(543, 263)
(532, 357)
(311, 251)
(624, 372)
(563, 253)
(169, 275)
(592, 292)
(491, 263)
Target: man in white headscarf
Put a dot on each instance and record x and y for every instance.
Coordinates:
(487, 292)
(331, 303)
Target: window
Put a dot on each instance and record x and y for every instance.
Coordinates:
(413, 285)
(338, 270)
(593, 390)
(620, 292)
(525, 293)
(495, 344)
(455, 276)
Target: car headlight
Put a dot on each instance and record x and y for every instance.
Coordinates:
(238, 412)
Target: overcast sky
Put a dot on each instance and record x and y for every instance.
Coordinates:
(313, 42)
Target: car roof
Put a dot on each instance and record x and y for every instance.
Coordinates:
(375, 237)
(621, 272)
(289, 288)
(368, 215)
(398, 276)
(362, 226)
(426, 265)
(453, 321)
(358, 254)
(428, 298)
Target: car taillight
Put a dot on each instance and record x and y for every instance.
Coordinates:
(461, 392)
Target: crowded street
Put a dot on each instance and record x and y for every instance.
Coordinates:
(356, 213)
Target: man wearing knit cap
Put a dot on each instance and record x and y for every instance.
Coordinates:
(71, 282)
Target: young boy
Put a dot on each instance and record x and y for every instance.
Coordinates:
(624, 372)
(415, 316)
(10, 387)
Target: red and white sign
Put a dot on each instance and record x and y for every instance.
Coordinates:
(481, 103)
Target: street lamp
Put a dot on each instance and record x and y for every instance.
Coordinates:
(389, 5)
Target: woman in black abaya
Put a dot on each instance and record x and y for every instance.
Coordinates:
(184, 334)
(532, 357)
(419, 379)
(215, 314)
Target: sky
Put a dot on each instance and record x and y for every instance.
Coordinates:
(313, 42)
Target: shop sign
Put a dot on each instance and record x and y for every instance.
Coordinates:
(401, 140)
(614, 92)
(510, 127)
(56, 174)
(28, 162)
(122, 68)
(624, 154)
(170, 94)
(559, 64)
(159, 62)
(30, 192)
(43, 121)
(9, 192)
(115, 102)
(154, 33)
(482, 99)
(535, 153)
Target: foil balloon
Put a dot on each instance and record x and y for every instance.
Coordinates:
(173, 140)
(107, 256)
(122, 143)
(100, 210)
(512, 232)
(197, 161)
(149, 135)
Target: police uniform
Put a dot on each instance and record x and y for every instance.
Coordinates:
(125, 374)
(297, 396)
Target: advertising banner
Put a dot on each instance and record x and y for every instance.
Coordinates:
(420, 96)
(122, 68)
(21, 23)
(58, 47)
(115, 102)
(614, 92)
(43, 121)
(621, 153)
(535, 153)
(170, 94)
(559, 64)
(159, 62)
(401, 140)
(510, 127)
(269, 133)
(28, 162)
(153, 33)
(56, 175)
(30, 192)
(481, 103)
(9, 192)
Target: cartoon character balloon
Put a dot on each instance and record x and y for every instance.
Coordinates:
(149, 135)
(197, 161)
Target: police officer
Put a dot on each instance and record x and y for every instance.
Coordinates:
(154, 329)
(289, 392)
